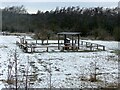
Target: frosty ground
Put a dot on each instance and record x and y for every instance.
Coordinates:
(61, 69)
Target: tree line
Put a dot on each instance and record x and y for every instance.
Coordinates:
(98, 22)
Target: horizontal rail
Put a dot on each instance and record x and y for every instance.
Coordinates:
(91, 45)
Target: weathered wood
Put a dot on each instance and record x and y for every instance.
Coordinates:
(47, 49)
(103, 48)
(93, 45)
(97, 46)
(78, 41)
(25, 46)
(81, 42)
(72, 42)
(70, 48)
(58, 42)
(36, 41)
(86, 44)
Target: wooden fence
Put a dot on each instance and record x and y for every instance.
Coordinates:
(31, 47)
(93, 45)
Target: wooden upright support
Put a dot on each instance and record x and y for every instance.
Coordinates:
(78, 41)
(58, 42)
(47, 41)
(65, 39)
(75, 42)
(103, 48)
(72, 43)
(91, 47)
(36, 41)
(31, 48)
(23, 40)
(26, 49)
(86, 44)
(47, 49)
(97, 46)
(81, 42)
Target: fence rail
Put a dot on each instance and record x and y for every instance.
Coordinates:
(93, 45)
(31, 47)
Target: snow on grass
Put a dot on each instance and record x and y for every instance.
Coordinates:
(67, 68)
(72, 65)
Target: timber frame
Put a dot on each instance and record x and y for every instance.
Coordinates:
(72, 35)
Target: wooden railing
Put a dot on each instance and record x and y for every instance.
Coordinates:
(30, 47)
(93, 45)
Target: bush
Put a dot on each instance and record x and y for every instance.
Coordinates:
(100, 34)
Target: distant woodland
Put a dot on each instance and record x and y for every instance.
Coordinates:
(100, 23)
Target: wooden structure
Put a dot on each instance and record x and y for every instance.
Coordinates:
(31, 47)
(70, 42)
(92, 46)
(67, 45)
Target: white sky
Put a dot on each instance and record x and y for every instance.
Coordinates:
(59, 0)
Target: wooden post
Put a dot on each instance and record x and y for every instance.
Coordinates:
(65, 39)
(26, 43)
(81, 42)
(21, 46)
(47, 49)
(31, 48)
(36, 41)
(91, 47)
(72, 42)
(86, 44)
(75, 42)
(26, 49)
(47, 40)
(103, 48)
(58, 42)
(78, 41)
(97, 46)
(23, 40)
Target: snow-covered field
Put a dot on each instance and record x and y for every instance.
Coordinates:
(61, 69)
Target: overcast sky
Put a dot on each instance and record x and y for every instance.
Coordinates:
(33, 5)
(59, 0)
